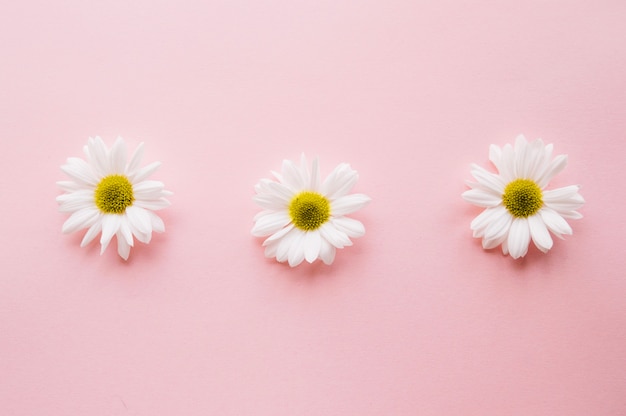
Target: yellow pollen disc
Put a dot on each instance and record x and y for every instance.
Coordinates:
(522, 197)
(309, 210)
(114, 194)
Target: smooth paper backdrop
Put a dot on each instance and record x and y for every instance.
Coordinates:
(415, 318)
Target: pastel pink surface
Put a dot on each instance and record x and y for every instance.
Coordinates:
(415, 318)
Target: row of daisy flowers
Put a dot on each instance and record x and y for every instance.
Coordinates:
(305, 218)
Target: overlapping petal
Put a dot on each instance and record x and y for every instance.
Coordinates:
(348, 204)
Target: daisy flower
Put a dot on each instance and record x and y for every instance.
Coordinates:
(106, 195)
(518, 205)
(305, 218)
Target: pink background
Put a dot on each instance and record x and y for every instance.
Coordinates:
(415, 318)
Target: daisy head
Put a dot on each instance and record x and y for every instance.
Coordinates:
(305, 218)
(518, 207)
(110, 197)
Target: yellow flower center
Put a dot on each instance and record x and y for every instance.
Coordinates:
(309, 210)
(114, 194)
(522, 197)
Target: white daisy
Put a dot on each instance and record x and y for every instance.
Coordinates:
(105, 194)
(305, 217)
(518, 206)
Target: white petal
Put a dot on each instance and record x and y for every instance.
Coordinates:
(542, 161)
(152, 194)
(75, 201)
(555, 222)
(529, 157)
(144, 172)
(328, 186)
(99, 156)
(279, 191)
(285, 243)
(537, 159)
(70, 186)
(81, 172)
(123, 248)
(296, 250)
(316, 177)
(140, 235)
(340, 181)
(507, 164)
(277, 175)
(151, 204)
(520, 143)
(91, 233)
(82, 195)
(110, 227)
(565, 208)
(560, 194)
(262, 214)
(304, 172)
(539, 233)
(261, 187)
(495, 155)
(557, 165)
(312, 245)
(519, 238)
(562, 203)
(125, 231)
(292, 176)
(139, 218)
(348, 204)
(334, 236)
(80, 219)
(499, 225)
(522, 161)
(278, 235)
(270, 202)
(351, 227)
(147, 187)
(489, 244)
(156, 222)
(482, 221)
(488, 180)
(571, 215)
(548, 151)
(271, 249)
(482, 198)
(327, 252)
(271, 223)
(118, 156)
(135, 161)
